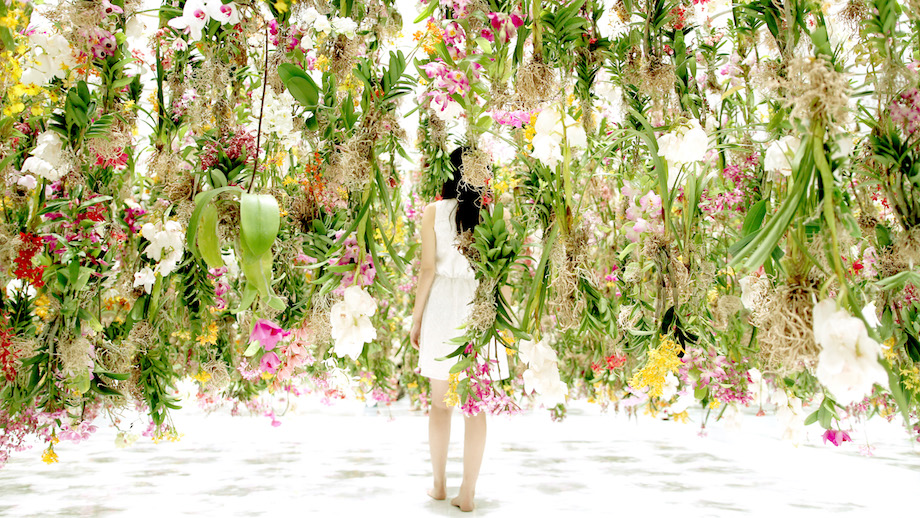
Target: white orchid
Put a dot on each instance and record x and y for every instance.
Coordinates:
(684, 145)
(848, 362)
(536, 353)
(551, 130)
(321, 24)
(542, 375)
(223, 13)
(146, 278)
(51, 57)
(351, 323)
(20, 288)
(344, 26)
(193, 20)
(778, 155)
(753, 290)
(47, 158)
(167, 245)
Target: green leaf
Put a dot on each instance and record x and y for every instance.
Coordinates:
(300, 84)
(202, 200)
(208, 242)
(754, 218)
(260, 220)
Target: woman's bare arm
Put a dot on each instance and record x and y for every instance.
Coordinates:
(426, 272)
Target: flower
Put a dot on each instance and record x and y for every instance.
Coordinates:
(351, 323)
(777, 157)
(837, 437)
(848, 362)
(146, 277)
(685, 145)
(194, 18)
(51, 57)
(344, 26)
(753, 291)
(223, 13)
(108, 8)
(551, 130)
(47, 158)
(269, 362)
(166, 245)
(542, 375)
(267, 333)
(19, 288)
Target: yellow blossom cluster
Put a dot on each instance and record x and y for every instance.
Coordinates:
(182, 335)
(888, 350)
(210, 337)
(428, 39)
(168, 435)
(450, 397)
(530, 131)
(911, 378)
(41, 307)
(661, 360)
(203, 376)
(48, 456)
(322, 63)
(505, 181)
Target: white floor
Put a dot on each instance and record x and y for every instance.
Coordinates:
(345, 461)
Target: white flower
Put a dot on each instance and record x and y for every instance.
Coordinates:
(306, 17)
(51, 56)
(193, 20)
(146, 277)
(778, 155)
(848, 362)
(223, 13)
(551, 131)
(19, 288)
(167, 245)
(345, 26)
(321, 24)
(669, 390)
(351, 323)
(753, 290)
(536, 353)
(870, 313)
(684, 145)
(545, 382)
(28, 181)
(790, 416)
(47, 158)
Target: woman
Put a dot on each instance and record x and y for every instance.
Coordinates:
(446, 286)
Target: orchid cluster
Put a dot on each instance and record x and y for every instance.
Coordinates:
(542, 375)
(351, 323)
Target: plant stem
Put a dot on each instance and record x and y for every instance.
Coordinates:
(255, 167)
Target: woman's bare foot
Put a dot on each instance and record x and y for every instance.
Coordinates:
(438, 493)
(464, 501)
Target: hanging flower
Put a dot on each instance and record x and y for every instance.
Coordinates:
(47, 158)
(351, 323)
(848, 362)
(146, 277)
(685, 145)
(542, 375)
(777, 159)
(223, 13)
(167, 245)
(836, 437)
(193, 20)
(551, 130)
(267, 333)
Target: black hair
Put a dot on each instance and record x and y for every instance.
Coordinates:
(469, 198)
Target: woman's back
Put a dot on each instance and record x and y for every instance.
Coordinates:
(449, 262)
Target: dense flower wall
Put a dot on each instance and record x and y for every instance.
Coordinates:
(693, 207)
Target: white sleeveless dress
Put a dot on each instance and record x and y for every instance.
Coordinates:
(449, 302)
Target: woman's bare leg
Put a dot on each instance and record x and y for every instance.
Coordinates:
(474, 444)
(438, 438)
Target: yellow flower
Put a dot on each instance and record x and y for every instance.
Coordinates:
(210, 337)
(682, 417)
(202, 376)
(412, 385)
(661, 360)
(48, 456)
(451, 398)
(267, 376)
(911, 378)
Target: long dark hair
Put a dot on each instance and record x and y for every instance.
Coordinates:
(469, 199)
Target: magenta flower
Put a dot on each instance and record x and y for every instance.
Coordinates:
(837, 437)
(269, 362)
(267, 333)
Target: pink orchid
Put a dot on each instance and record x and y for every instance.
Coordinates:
(837, 437)
(267, 333)
(108, 8)
(269, 362)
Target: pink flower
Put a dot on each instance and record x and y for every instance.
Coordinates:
(837, 437)
(108, 8)
(267, 333)
(269, 362)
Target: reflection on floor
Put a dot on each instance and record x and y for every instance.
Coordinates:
(345, 460)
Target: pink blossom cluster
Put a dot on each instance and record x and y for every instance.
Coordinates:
(295, 35)
(905, 111)
(484, 393)
(726, 379)
(241, 144)
(446, 82)
(646, 216)
(102, 42)
(514, 118)
(461, 8)
(363, 265)
(132, 214)
(504, 26)
(739, 197)
(108, 8)
(221, 286)
(415, 207)
(15, 430)
(330, 392)
(296, 353)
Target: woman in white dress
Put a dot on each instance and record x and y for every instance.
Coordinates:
(446, 286)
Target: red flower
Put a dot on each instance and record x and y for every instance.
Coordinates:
(31, 245)
(9, 354)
